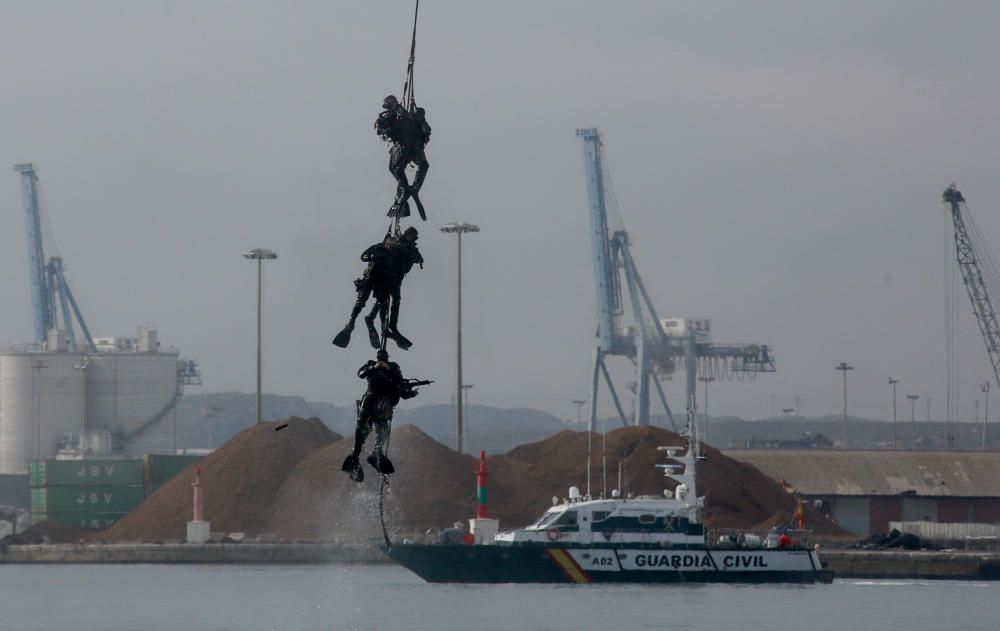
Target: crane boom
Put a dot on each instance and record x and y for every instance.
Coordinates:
(46, 276)
(972, 276)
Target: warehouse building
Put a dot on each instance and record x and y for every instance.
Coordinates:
(865, 490)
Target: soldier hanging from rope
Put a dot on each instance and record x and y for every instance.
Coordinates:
(388, 263)
(408, 132)
(386, 386)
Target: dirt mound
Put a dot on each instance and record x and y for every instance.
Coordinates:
(435, 486)
(737, 495)
(46, 532)
(241, 481)
(289, 484)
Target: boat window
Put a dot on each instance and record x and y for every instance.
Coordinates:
(647, 519)
(546, 519)
(566, 519)
(600, 515)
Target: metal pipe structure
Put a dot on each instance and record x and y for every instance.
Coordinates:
(579, 421)
(458, 229)
(260, 255)
(985, 387)
(913, 422)
(843, 367)
(893, 382)
(706, 381)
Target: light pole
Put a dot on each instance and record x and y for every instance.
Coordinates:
(843, 367)
(260, 255)
(913, 423)
(458, 229)
(706, 380)
(893, 382)
(465, 412)
(788, 412)
(985, 387)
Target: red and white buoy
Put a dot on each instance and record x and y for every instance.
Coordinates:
(483, 530)
(482, 493)
(199, 505)
(198, 530)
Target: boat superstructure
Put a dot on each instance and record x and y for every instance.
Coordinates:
(647, 539)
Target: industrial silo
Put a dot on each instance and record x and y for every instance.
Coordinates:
(42, 402)
(133, 394)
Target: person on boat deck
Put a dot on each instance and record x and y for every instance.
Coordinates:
(386, 386)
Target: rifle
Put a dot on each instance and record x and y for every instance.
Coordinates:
(413, 383)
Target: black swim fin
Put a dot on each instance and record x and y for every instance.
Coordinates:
(344, 337)
(373, 335)
(353, 466)
(382, 464)
(401, 341)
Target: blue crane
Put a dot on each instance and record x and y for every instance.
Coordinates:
(649, 346)
(50, 293)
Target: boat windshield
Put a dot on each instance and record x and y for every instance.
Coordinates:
(545, 519)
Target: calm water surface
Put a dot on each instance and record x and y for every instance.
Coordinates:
(155, 597)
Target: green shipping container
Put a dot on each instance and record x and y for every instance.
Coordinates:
(90, 521)
(72, 499)
(160, 469)
(79, 472)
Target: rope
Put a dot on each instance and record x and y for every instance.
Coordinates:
(408, 98)
(383, 478)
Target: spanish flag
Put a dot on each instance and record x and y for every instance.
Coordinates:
(800, 515)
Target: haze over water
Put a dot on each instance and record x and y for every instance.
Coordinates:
(217, 598)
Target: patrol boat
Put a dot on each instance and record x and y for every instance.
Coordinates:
(648, 539)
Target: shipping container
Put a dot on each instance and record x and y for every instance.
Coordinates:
(71, 499)
(88, 520)
(161, 468)
(82, 472)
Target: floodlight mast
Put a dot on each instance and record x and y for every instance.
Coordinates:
(458, 229)
(260, 255)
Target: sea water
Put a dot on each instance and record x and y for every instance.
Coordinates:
(223, 597)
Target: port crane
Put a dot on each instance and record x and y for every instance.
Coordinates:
(979, 274)
(50, 293)
(653, 350)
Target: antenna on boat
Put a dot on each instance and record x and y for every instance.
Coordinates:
(604, 458)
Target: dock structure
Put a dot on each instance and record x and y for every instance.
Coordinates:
(866, 490)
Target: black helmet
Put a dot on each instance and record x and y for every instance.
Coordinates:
(411, 232)
(390, 102)
(382, 355)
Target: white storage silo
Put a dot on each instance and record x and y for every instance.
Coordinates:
(42, 399)
(133, 394)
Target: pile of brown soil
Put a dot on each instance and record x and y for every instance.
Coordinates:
(289, 484)
(737, 495)
(434, 486)
(46, 532)
(241, 480)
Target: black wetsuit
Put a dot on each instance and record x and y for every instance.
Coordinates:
(404, 256)
(379, 278)
(409, 133)
(386, 386)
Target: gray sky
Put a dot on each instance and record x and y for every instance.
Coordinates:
(779, 167)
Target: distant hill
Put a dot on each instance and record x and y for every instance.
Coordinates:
(208, 420)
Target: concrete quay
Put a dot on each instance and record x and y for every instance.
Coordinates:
(236, 553)
(903, 564)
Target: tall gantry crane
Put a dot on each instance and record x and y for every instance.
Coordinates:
(648, 344)
(971, 250)
(50, 293)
